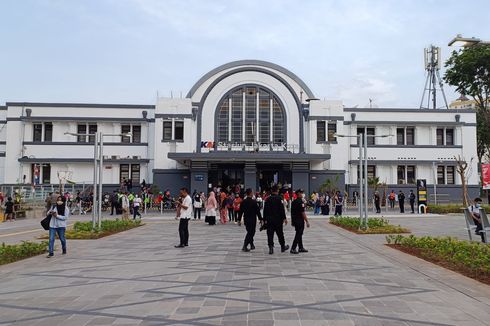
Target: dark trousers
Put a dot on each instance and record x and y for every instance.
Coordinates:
(249, 238)
(136, 212)
(325, 209)
(402, 206)
(412, 206)
(184, 231)
(378, 207)
(338, 209)
(231, 214)
(197, 213)
(298, 237)
(271, 229)
(478, 229)
(113, 207)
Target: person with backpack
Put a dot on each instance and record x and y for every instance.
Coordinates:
(391, 199)
(57, 225)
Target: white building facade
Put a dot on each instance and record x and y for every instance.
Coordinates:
(249, 122)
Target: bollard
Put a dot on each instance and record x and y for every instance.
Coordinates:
(423, 208)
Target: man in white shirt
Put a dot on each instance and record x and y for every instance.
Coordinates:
(185, 215)
(475, 214)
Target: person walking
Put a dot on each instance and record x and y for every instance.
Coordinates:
(211, 207)
(185, 215)
(236, 209)
(197, 205)
(411, 197)
(125, 206)
(401, 201)
(136, 206)
(57, 225)
(298, 220)
(250, 210)
(377, 202)
(9, 210)
(275, 217)
(222, 207)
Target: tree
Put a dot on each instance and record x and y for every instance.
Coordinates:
(469, 71)
(330, 185)
(464, 170)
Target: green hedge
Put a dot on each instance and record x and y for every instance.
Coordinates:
(26, 249)
(83, 230)
(469, 258)
(450, 208)
(375, 225)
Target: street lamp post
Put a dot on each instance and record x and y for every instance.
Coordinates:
(94, 198)
(465, 42)
(101, 162)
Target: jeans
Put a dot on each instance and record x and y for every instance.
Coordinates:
(61, 235)
(317, 209)
(184, 232)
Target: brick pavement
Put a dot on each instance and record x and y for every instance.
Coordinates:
(138, 278)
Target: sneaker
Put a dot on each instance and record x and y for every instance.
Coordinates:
(50, 255)
(303, 250)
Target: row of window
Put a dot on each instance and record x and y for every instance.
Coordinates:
(173, 130)
(406, 174)
(44, 132)
(404, 135)
(41, 173)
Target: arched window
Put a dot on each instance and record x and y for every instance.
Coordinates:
(251, 114)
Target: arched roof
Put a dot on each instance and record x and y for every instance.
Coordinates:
(241, 63)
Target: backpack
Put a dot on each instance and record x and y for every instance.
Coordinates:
(392, 196)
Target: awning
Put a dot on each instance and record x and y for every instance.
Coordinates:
(240, 156)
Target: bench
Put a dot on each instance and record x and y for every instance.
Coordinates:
(485, 225)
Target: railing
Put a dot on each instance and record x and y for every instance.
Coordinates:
(40, 192)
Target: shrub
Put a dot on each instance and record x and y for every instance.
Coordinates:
(450, 208)
(83, 230)
(26, 249)
(375, 225)
(469, 258)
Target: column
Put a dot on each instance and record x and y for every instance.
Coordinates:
(301, 176)
(250, 175)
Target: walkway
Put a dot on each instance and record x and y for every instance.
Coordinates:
(138, 278)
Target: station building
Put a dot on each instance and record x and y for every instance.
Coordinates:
(248, 122)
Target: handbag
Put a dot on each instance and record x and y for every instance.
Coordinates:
(45, 222)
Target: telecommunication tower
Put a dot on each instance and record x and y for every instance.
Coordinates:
(432, 61)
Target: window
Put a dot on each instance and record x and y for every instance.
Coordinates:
(440, 136)
(92, 130)
(82, 130)
(250, 114)
(400, 136)
(320, 131)
(332, 130)
(41, 173)
(38, 132)
(135, 134)
(370, 132)
(449, 137)
(445, 175)
(405, 136)
(406, 174)
(48, 131)
(371, 171)
(410, 132)
(123, 172)
(179, 130)
(129, 172)
(167, 130)
(124, 130)
(135, 173)
(46, 174)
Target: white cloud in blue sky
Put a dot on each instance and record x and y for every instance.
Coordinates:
(124, 51)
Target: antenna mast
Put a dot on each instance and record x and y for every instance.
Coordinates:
(432, 61)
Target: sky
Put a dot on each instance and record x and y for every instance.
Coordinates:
(128, 51)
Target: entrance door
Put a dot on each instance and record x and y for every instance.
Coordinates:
(227, 176)
(269, 175)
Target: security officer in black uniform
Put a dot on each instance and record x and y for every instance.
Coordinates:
(298, 220)
(275, 217)
(249, 209)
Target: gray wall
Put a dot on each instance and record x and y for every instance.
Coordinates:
(172, 179)
(317, 178)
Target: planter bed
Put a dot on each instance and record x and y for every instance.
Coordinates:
(375, 225)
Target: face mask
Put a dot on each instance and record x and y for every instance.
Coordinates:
(59, 202)
(477, 205)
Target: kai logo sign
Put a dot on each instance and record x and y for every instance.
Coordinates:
(207, 144)
(258, 146)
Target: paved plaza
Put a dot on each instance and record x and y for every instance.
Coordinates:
(138, 278)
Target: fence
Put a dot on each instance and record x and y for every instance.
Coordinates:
(39, 192)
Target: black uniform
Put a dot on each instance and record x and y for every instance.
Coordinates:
(401, 202)
(249, 209)
(412, 201)
(377, 202)
(274, 215)
(297, 211)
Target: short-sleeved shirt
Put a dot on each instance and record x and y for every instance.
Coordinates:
(297, 210)
(185, 214)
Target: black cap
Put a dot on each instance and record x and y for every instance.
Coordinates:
(299, 191)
